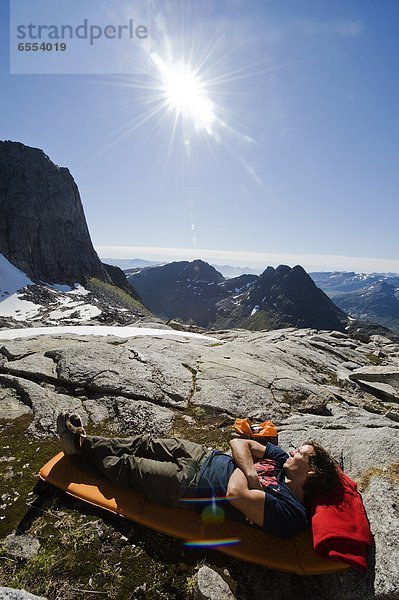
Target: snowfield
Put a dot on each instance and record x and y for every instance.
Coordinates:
(122, 332)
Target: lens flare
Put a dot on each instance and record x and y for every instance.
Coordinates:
(204, 500)
(212, 543)
(212, 515)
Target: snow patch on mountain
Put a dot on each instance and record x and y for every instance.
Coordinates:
(11, 281)
(64, 302)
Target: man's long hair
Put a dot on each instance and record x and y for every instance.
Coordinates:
(326, 469)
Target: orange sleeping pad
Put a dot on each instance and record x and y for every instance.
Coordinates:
(241, 541)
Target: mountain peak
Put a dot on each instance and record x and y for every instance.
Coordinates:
(201, 270)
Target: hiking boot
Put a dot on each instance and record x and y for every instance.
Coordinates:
(69, 433)
(75, 423)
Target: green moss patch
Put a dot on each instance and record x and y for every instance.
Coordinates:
(374, 359)
(21, 457)
(116, 295)
(83, 556)
(208, 429)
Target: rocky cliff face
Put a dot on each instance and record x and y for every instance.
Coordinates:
(43, 229)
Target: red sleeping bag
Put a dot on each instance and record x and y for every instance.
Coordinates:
(341, 530)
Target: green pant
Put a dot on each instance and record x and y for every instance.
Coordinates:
(164, 469)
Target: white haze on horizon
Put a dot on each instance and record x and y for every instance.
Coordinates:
(254, 260)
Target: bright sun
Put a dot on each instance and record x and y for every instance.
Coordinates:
(185, 93)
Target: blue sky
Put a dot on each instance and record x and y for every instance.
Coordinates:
(290, 155)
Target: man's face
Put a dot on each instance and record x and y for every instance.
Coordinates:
(298, 462)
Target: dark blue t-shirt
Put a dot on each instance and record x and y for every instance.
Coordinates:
(284, 515)
(212, 483)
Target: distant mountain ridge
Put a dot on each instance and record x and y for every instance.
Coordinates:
(133, 265)
(349, 281)
(195, 292)
(127, 264)
(372, 297)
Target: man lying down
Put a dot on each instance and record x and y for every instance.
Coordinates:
(262, 485)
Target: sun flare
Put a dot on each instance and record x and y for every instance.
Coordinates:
(185, 93)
